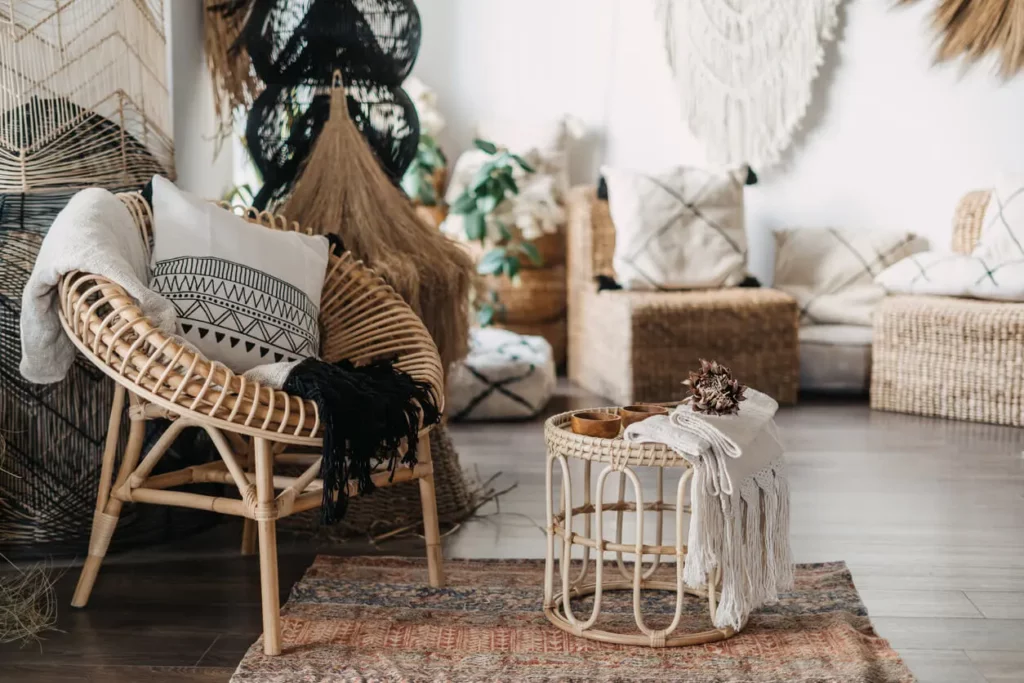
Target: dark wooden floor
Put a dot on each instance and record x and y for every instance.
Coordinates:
(929, 514)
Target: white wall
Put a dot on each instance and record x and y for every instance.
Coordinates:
(199, 170)
(890, 141)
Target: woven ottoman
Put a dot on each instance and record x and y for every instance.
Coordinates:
(634, 346)
(945, 357)
(505, 376)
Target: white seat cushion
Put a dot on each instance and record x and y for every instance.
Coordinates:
(505, 376)
(835, 358)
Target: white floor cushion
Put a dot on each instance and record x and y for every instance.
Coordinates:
(505, 376)
(835, 358)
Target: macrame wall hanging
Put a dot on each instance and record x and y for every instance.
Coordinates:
(975, 29)
(744, 71)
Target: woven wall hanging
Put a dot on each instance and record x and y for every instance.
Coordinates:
(974, 29)
(744, 71)
(85, 97)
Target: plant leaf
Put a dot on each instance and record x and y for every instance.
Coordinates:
(485, 145)
(503, 230)
(464, 204)
(511, 267)
(493, 262)
(475, 226)
(485, 315)
(523, 164)
(532, 253)
(486, 203)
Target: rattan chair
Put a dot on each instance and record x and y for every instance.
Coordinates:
(252, 426)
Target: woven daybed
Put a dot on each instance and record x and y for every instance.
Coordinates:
(947, 357)
(638, 346)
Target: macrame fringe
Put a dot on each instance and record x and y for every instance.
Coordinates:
(371, 414)
(745, 77)
(747, 535)
(343, 190)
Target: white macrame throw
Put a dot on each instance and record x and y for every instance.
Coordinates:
(744, 70)
(740, 501)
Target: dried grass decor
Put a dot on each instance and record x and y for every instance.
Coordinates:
(28, 601)
(235, 83)
(976, 28)
(343, 190)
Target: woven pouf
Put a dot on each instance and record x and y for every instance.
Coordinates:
(398, 506)
(649, 341)
(505, 376)
(945, 357)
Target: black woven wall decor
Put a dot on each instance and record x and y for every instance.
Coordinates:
(295, 47)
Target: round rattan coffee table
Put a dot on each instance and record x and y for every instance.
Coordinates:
(618, 456)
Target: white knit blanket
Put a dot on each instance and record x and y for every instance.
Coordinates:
(95, 234)
(740, 501)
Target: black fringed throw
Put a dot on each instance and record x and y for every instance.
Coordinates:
(367, 413)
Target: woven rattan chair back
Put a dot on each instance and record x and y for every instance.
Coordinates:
(250, 424)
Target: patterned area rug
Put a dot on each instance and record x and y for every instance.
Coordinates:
(374, 619)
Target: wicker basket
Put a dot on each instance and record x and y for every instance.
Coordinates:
(638, 346)
(946, 357)
(539, 296)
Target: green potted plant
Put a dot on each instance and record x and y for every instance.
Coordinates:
(481, 206)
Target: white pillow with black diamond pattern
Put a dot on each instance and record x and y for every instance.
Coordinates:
(245, 295)
(680, 229)
(1002, 231)
(831, 272)
(944, 274)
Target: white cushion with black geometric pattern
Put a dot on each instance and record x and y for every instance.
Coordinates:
(1002, 228)
(505, 376)
(245, 295)
(943, 274)
(681, 229)
(831, 272)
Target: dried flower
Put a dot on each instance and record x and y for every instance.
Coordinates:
(713, 390)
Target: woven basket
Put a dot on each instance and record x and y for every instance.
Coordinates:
(55, 432)
(550, 247)
(398, 506)
(556, 332)
(538, 298)
(946, 357)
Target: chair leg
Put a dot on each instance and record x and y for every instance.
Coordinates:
(431, 531)
(249, 536)
(108, 509)
(266, 524)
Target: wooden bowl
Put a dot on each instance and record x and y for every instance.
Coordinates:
(639, 412)
(595, 423)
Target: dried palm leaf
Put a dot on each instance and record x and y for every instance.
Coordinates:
(977, 28)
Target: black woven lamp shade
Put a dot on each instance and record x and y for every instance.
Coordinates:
(295, 48)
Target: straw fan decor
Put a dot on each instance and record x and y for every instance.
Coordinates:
(975, 29)
(329, 75)
(744, 76)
